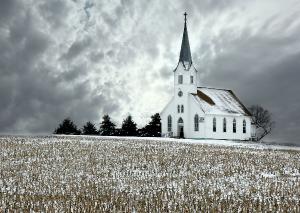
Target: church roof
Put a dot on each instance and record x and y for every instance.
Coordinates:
(185, 51)
(220, 101)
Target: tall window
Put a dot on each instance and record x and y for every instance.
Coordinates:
(180, 79)
(192, 79)
(182, 109)
(196, 122)
(214, 125)
(224, 125)
(169, 123)
(244, 126)
(234, 126)
(178, 108)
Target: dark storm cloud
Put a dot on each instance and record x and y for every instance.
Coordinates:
(84, 58)
(76, 72)
(7, 9)
(96, 56)
(262, 70)
(34, 97)
(40, 100)
(77, 48)
(54, 11)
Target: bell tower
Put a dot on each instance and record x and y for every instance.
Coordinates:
(185, 75)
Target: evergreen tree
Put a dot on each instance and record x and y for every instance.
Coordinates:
(67, 127)
(89, 129)
(129, 127)
(153, 129)
(107, 127)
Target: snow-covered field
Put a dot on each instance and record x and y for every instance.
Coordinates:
(77, 173)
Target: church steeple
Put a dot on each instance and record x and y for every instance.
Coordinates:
(185, 52)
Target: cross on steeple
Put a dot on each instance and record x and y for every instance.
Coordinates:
(185, 52)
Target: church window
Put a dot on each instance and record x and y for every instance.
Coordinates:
(169, 123)
(178, 108)
(192, 79)
(180, 121)
(196, 122)
(214, 125)
(182, 109)
(234, 126)
(244, 126)
(224, 125)
(180, 79)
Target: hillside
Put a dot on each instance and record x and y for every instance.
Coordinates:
(66, 173)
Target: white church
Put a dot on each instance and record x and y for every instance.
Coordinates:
(201, 112)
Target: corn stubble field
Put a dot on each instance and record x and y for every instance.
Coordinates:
(88, 174)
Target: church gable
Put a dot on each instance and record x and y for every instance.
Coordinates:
(220, 101)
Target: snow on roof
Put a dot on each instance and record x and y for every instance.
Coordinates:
(220, 101)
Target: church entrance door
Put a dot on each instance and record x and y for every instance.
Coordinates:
(180, 128)
(181, 134)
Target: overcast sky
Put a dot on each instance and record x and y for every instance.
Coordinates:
(85, 58)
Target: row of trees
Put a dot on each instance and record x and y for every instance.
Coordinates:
(108, 128)
(261, 118)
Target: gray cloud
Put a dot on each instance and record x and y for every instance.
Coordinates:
(36, 95)
(54, 12)
(84, 58)
(262, 70)
(7, 10)
(87, 6)
(77, 48)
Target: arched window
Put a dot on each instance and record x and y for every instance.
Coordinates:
(169, 123)
(224, 125)
(196, 122)
(180, 121)
(214, 125)
(234, 126)
(178, 108)
(182, 109)
(244, 126)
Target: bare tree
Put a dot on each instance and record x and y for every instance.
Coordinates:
(262, 119)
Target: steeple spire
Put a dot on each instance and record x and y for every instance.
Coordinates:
(185, 52)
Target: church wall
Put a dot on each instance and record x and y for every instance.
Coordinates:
(191, 107)
(171, 110)
(164, 117)
(193, 110)
(229, 134)
(206, 127)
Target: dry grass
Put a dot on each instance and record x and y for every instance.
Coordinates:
(115, 175)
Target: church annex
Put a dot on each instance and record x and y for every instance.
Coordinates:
(200, 112)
